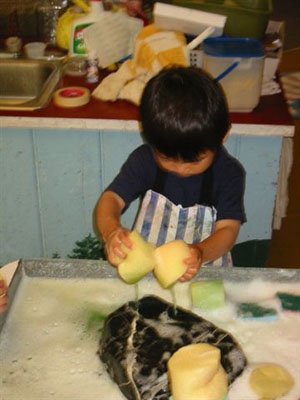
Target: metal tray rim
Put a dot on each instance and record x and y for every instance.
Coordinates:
(100, 269)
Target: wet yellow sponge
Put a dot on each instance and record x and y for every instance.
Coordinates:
(208, 295)
(170, 264)
(167, 260)
(195, 372)
(138, 261)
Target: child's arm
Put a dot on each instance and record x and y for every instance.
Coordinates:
(107, 217)
(221, 241)
(215, 246)
(3, 295)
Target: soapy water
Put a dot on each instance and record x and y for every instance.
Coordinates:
(49, 344)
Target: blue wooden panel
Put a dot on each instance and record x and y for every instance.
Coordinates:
(115, 149)
(50, 181)
(20, 229)
(68, 171)
(260, 157)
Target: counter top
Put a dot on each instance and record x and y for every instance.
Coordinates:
(271, 116)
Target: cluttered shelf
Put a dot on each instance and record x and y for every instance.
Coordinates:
(247, 29)
(271, 111)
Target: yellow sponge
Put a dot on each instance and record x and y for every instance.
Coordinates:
(170, 264)
(196, 373)
(138, 261)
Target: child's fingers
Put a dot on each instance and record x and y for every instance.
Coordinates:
(125, 239)
(195, 254)
(118, 251)
(3, 296)
(121, 244)
(3, 287)
(2, 308)
(193, 265)
(117, 244)
(190, 273)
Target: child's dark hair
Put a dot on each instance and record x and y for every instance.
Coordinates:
(183, 113)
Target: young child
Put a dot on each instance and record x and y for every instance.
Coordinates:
(192, 189)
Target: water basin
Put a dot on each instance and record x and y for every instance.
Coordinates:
(27, 84)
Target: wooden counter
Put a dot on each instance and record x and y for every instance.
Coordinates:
(271, 117)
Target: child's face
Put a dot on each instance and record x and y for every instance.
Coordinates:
(185, 169)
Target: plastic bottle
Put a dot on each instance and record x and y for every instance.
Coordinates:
(92, 75)
(77, 45)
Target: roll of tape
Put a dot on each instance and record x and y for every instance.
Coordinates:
(73, 96)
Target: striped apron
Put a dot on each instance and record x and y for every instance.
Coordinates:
(160, 221)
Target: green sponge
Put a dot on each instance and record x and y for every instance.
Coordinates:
(289, 301)
(252, 311)
(208, 295)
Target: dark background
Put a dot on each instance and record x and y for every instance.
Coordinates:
(287, 10)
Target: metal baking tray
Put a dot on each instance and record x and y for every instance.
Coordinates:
(96, 269)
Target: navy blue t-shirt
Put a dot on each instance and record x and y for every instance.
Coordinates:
(138, 174)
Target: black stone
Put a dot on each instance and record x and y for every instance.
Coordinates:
(139, 338)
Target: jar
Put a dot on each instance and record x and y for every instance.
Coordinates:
(76, 66)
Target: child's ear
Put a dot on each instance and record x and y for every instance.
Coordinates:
(226, 137)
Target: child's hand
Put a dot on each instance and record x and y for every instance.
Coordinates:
(193, 263)
(3, 295)
(115, 243)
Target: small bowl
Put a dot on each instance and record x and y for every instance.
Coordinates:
(13, 44)
(35, 49)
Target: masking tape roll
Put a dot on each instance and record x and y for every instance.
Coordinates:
(73, 96)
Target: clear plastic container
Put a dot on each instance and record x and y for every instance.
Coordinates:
(35, 49)
(76, 66)
(238, 65)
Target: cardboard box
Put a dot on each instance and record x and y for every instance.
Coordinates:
(186, 20)
(245, 18)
